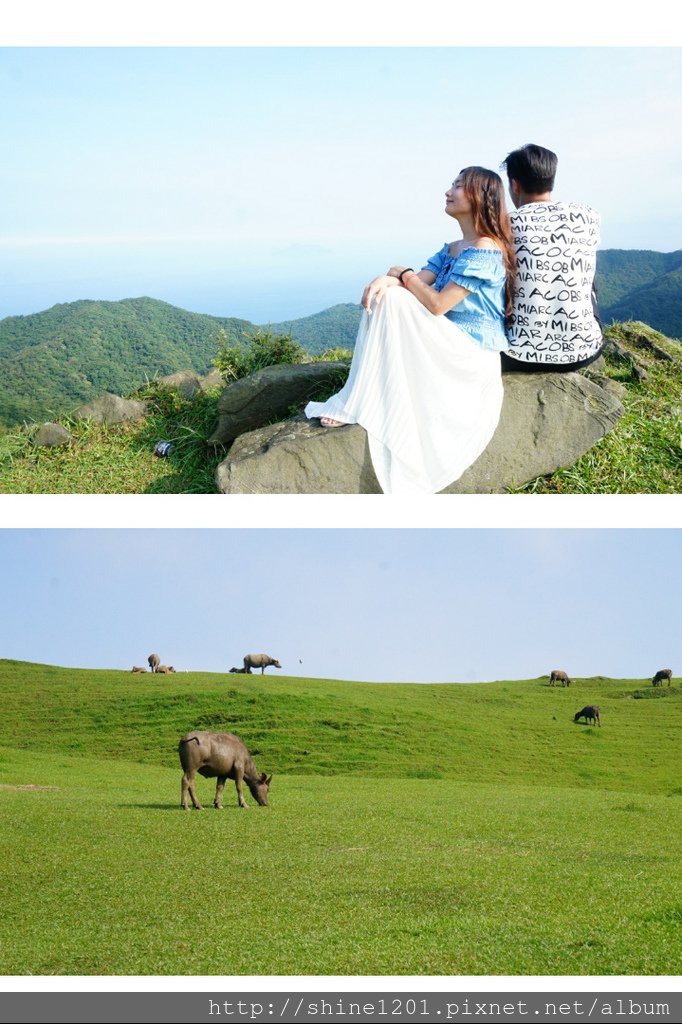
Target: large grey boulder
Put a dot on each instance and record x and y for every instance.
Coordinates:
(269, 394)
(51, 435)
(548, 421)
(111, 409)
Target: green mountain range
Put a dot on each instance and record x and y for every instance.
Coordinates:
(53, 361)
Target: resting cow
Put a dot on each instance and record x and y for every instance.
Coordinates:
(165, 669)
(221, 756)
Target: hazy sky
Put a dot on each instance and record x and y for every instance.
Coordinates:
(377, 605)
(269, 183)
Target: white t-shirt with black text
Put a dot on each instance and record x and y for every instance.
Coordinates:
(556, 254)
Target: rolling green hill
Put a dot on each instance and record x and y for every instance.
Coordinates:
(518, 731)
(335, 327)
(412, 829)
(53, 361)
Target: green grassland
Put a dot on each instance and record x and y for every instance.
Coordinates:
(413, 829)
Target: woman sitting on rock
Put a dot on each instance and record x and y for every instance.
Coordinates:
(425, 381)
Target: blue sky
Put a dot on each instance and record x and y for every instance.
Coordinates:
(377, 605)
(270, 183)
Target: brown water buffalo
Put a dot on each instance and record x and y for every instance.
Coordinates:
(165, 669)
(260, 661)
(557, 676)
(590, 713)
(663, 673)
(154, 661)
(221, 756)
(138, 668)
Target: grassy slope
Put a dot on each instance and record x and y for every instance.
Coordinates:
(428, 830)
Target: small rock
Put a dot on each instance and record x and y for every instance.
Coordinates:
(186, 382)
(212, 380)
(111, 409)
(51, 435)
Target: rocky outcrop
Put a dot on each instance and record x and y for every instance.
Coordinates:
(548, 421)
(188, 383)
(269, 394)
(51, 435)
(111, 409)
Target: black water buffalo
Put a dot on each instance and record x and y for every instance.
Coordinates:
(590, 713)
(154, 661)
(221, 756)
(663, 673)
(557, 676)
(239, 671)
(260, 661)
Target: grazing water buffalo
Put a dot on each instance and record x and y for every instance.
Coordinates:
(165, 669)
(663, 673)
(138, 668)
(590, 714)
(223, 756)
(557, 676)
(260, 661)
(154, 661)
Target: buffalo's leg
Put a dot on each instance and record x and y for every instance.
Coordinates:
(238, 779)
(219, 787)
(188, 787)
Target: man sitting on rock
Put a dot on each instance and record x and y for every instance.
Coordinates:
(554, 326)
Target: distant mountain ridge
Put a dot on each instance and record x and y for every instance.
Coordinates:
(53, 361)
(641, 285)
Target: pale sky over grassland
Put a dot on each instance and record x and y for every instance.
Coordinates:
(376, 605)
(252, 181)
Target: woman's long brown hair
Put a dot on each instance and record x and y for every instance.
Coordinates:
(485, 191)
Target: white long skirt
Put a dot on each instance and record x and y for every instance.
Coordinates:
(428, 396)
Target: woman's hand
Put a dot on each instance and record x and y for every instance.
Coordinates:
(374, 292)
(397, 270)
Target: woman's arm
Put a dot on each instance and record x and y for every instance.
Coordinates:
(436, 302)
(420, 286)
(375, 289)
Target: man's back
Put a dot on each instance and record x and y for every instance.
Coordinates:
(556, 250)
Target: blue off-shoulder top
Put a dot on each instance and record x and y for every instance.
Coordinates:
(481, 272)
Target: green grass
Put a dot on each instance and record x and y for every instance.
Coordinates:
(120, 459)
(427, 830)
(643, 454)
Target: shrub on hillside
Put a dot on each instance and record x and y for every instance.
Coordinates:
(335, 355)
(262, 349)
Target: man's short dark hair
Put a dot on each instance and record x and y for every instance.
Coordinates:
(533, 167)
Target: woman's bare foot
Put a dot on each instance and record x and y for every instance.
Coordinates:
(327, 421)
